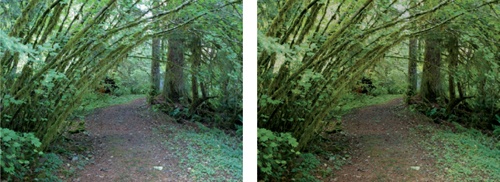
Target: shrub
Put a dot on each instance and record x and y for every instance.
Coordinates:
(45, 171)
(308, 163)
(274, 152)
(17, 150)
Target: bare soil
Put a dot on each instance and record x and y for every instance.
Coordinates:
(383, 147)
(124, 146)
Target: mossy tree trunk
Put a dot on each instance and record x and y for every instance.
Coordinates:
(63, 55)
(308, 60)
(155, 68)
(156, 56)
(412, 68)
(195, 66)
(452, 60)
(432, 87)
(174, 89)
(412, 63)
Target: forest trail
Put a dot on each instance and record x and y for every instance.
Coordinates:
(383, 147)
(127, 148)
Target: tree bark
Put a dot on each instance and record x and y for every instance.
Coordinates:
(174, 87)
(195, 64)
(204, 93)
(452, 64)
(155, 68)
(412, 68)
(432, 88)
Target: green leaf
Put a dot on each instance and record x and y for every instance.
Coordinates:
(273, 144)
(264, 138)
(16, 145)
(36, 142)
(9, 169)
(293, 142)
(7, 138)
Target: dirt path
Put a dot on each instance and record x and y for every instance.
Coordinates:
(125, 148)
(383, 148)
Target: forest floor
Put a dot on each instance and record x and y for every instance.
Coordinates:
(130, 142)
(383, 146)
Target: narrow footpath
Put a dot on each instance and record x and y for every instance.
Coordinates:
(383, 147)
(125, 147)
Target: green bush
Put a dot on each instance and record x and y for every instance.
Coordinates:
(45, 171)
(308, 163)
(274, 153)
(17, 150)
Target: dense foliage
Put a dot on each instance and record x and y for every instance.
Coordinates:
(311, 53)
(468, 71)
(57, 54)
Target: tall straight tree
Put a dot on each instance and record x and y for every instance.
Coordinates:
(156, 51)
(412, 63)
(452, 60)
(432, 88)
(412, 67)
(155, 67)
(174, 88)
(195, 66)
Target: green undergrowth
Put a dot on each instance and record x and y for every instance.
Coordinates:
(464, 154)
(208, 154)
(95, 101)
(354, 101)
(277, 159)
(21, 161)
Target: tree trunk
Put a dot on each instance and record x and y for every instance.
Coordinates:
(412, 68)
(155, 68)
(174, 87)
(412, 63)
(431, 88)
(204, 93)
(452, 64)
(195, 64)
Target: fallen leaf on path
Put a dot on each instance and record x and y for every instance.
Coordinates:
(415, 167)
(159, 168)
